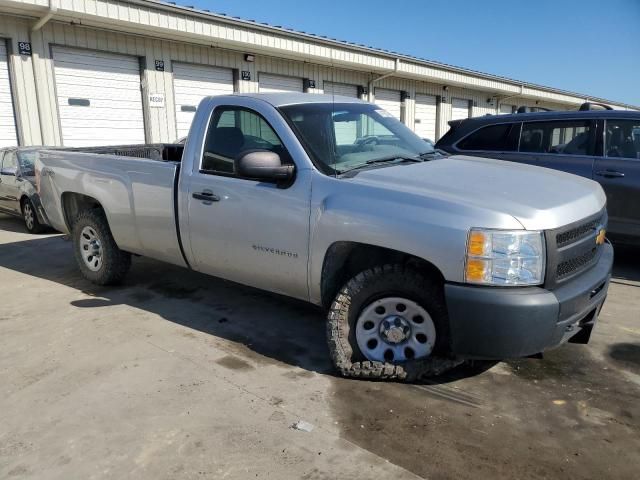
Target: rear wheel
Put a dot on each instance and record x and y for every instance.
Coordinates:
(389, 322)
(30, 217)
(99, 258)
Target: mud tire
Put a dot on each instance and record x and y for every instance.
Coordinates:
(368, 286)
(115, 262)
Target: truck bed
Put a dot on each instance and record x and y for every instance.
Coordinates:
(135, 190)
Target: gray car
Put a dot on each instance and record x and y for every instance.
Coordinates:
(603, 145)
(18, 194)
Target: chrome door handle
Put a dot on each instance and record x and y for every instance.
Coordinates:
(206, 196)
(610, 174)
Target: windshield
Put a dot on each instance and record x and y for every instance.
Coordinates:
(344, 136)
(27, 160)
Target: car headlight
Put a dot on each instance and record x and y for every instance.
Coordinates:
(505, 257)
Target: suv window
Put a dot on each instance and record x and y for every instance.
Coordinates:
(502, 137)
(234, 130)
(563, 137)
(622, 138)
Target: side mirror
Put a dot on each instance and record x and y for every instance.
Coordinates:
(263, 165)
(13, 171)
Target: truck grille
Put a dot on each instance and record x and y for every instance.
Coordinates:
(573, 249)
(569, 266)
(577, 233)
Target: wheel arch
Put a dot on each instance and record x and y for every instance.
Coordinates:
(345, 259)
(73, 203)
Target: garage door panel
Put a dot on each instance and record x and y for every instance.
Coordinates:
(459, 109)
(111, 83)
(72, 115)
(341, 89)
(389, 100)
(269, 83)
(8, 133)
(104, 94)
(95, 60)
(69, 76)
(192, 83)
(506, 109)
(425, 116)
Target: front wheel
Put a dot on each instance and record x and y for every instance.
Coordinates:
(99, 258)
(389, 322)
(30, 217)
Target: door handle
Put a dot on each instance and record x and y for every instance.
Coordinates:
(206, 196)
(610, 174)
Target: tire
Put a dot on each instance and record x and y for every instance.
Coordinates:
(30, 217)
(110, 264)
(382, 284)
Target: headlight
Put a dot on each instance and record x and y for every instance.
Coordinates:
(503, 257)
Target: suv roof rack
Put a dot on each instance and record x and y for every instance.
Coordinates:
(525, 109)
(593, 106)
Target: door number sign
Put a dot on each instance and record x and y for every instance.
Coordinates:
(24, 48)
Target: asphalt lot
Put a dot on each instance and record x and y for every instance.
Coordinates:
(179, 375)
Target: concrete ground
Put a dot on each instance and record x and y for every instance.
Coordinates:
(179, 375)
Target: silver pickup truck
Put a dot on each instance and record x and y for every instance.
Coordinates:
(422, 260)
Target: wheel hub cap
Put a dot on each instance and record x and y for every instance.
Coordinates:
(28, 215)
(395, 329)
(91, 249)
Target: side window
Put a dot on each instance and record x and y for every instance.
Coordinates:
(562, 137)
(9, 162)
(499, 138)
(622, 139)
(234, 130)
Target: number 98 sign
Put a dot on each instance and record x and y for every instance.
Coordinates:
(24, 48)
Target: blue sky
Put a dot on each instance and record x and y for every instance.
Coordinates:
(589, 46)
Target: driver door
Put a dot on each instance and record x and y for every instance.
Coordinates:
(252, 232)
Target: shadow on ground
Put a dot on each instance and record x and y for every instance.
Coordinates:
(277, 327)
(627, 263)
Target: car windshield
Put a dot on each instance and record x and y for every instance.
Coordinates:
(346, 136)
(27, 160)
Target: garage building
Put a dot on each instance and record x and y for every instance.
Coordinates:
(92, 72)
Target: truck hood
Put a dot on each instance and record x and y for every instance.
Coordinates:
(539, 198)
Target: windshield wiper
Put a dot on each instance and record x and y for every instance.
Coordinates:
(389, 159)
(434, 153)
(393, 158)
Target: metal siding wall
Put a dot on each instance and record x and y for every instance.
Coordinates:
(332, 64)
(208, 30)
(15, 30)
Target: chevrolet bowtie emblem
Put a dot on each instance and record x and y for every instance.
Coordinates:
(602, 233)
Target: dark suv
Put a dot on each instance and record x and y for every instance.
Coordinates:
(603, 145)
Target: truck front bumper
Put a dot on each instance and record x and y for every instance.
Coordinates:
(498, 323)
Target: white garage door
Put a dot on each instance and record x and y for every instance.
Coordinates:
(426, 116)
(459, 109)
(99, 97)
(191, 83)
(505, 109)
(8, 135)
(343, 89)
(346, 132)
(268, 83)
(388, 100)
